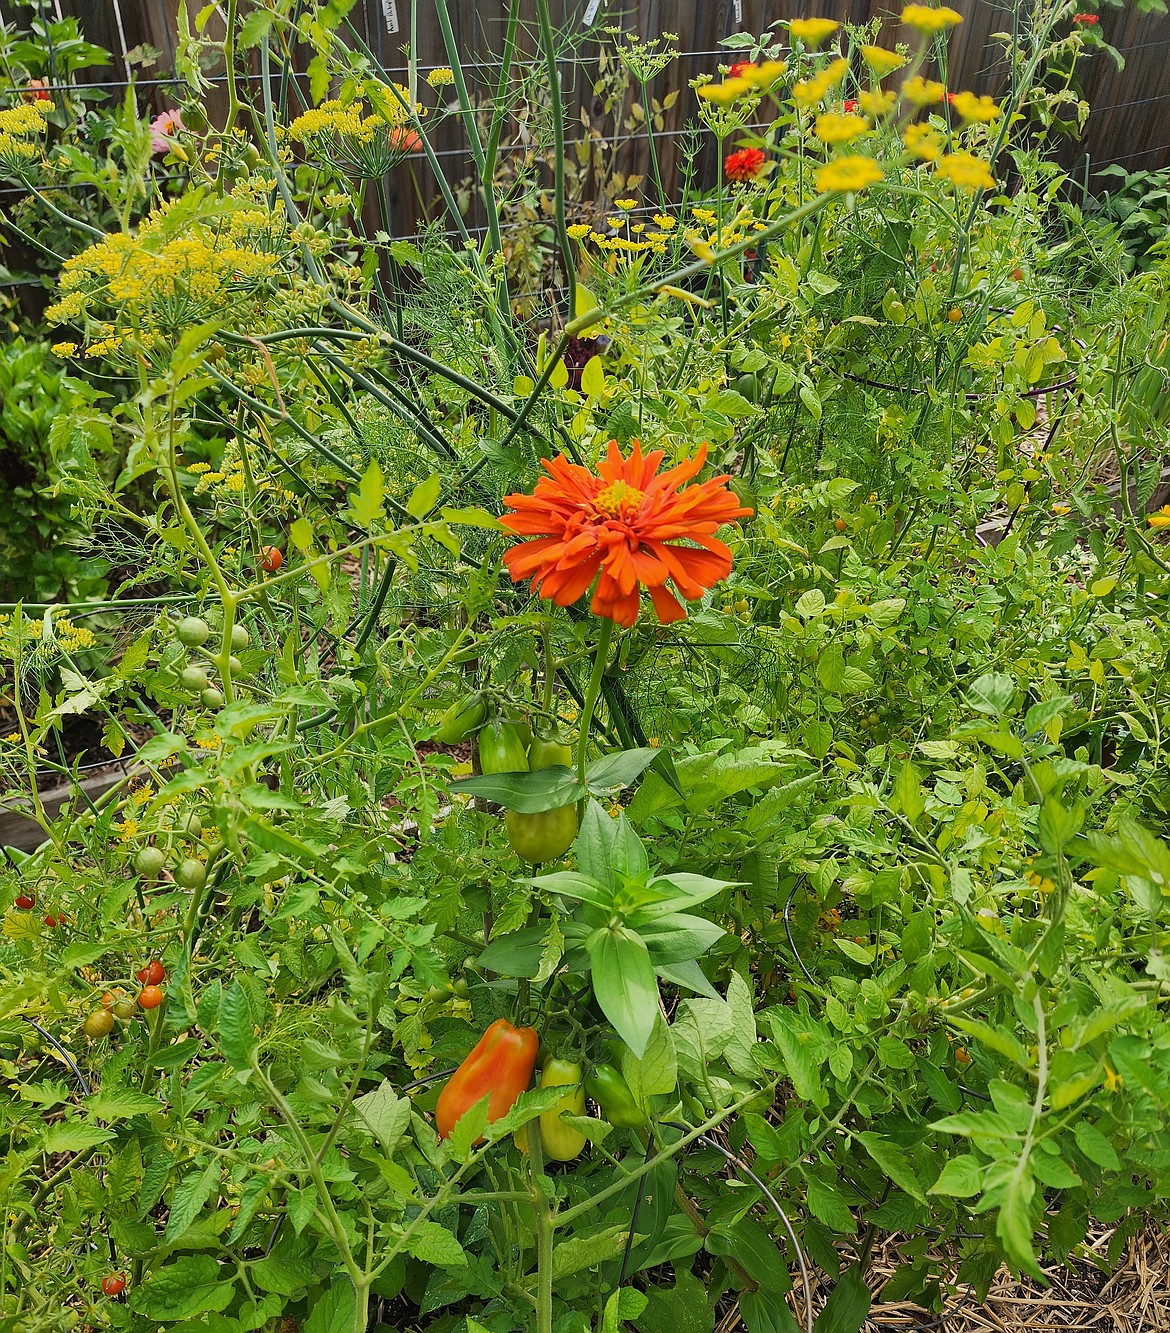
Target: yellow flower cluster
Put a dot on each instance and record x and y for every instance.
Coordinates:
(158, 277)
(928, 20)
(923, 141)
(966, 171)
(923, 92)
(71, 636)
(881, 61)
(126, 830)
(877, 102)
(17, 126)
(834, 128)
(808, 92)
(975, 109)
(847, 175)
(441, 78)
(348, 120)
(812, 32)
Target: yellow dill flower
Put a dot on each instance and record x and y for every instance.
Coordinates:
(578, 230)
(966, 171)
(923, 92)
(140, 795)
(198, 467)
(704, 215)
(812, 32)
(1160, 518)
(127, 829)
(664, 221)
(235, 482)
(13, 738)
(834, 128)
(765, 74)
(63, 349)
(811, 91)
(923, 141)
(441, 78)
(975, 109)
(881, 61)
(877, 102)
(929, 20)
(597, 238)
(730, 90)
(615, 221)
(1061, 510)
(625, 204)
(848, 175)
(208, 742)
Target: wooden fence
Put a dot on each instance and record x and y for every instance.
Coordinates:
(1129, 123)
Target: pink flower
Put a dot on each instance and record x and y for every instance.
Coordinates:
(163, 129)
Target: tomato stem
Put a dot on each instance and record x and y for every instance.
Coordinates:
(591, 694)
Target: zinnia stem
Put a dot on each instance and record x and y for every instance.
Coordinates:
(591, 694)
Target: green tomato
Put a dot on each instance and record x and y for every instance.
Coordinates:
(559, 1141)
(748, 386)
(211, 698)
(240, 638)
(192, 632)
(465, 716)
(546, 753)
(235, 666)
(745, 493)
(191, 874)
(150, 862)
(193, 678)
(501, 749)
(611, 1092)
(542, 837)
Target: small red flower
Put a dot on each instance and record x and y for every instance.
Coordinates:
(622, 528)
(1086, 20)
(36, 90)
(951, 99)
(744, 165)
(736, 71)
(850, 107)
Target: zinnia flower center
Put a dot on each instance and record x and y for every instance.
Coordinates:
(619, 499)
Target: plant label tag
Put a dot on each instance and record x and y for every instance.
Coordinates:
(590, 12)
(390, 9)
(739, 13)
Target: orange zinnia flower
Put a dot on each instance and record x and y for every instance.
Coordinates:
(622, 525)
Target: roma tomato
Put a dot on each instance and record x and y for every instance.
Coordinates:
(464, 716)
(114, 1284)
(500, 1067)
(152, 974)
(545, 752)
(542, 837)
(271, 559)
(559, 1141)
(611, 1092)
(150, 997)
(99, 1024)
(501, 749)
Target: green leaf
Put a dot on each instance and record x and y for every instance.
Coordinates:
(628, 1303)
(655, 1072)
(333, 1311)
(992, 694)
(1095, 1145)
(800, 1064)
(366, 504)
(188, 1198)
(385, 1113)
(73, 1136)
(895, 1162)
(434, 1244)
(614, 771)
(236, 1037)
(528, 793)
(848, 1305)
(908, 798)
(423, 497)
(195, 1284)
(120, 1104)
(827, 1205)
(624, 984)
(255, 28)
(961, 1177)
(1013, 1225)
(593, 377)
(469, 1129)
(580, 1252)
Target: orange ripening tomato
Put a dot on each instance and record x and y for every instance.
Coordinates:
(501, 1066)
(271, 559)
(405, 140)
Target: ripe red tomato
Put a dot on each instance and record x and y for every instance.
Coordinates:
(500, 1068)
(403, 139)
(25, 901)
(150, 997)
(114, 1284)
(54, 921)
(271, 559)
(152, 974)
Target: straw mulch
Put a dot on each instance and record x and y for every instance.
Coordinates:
(1131, 1296)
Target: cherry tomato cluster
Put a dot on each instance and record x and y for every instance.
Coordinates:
(193, 632)
(116, 1004)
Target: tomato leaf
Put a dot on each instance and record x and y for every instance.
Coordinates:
(624, 984)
